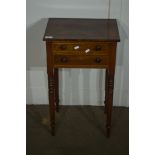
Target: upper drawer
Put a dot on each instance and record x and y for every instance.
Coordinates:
(75, 47)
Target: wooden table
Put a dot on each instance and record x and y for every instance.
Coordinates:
(80, 43)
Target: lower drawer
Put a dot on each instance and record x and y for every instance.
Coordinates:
(67, 61)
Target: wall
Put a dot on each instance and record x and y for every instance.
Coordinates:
(77, 86)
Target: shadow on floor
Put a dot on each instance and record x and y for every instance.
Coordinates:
(80, 130)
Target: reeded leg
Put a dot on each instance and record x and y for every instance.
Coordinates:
(56, 78)
(106, 91)
(51, 102)
(109, 102)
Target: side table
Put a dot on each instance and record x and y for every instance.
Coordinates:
(80, 43)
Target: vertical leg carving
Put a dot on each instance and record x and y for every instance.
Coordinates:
(106, 91)
(51, 103)
(56, 78)
(109, 103)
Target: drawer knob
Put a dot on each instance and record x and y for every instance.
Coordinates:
(98, 60)
(87, 50)
(98, 48)
(63, 59)
(63, 47)
(76, 47)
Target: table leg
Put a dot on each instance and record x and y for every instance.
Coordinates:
(56, 78)
(51, 101)
(109, 101)
(106, 91)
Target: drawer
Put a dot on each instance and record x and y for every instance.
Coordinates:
(81, 48)
(80, 61)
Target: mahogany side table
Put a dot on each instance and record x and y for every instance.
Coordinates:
(80, 43)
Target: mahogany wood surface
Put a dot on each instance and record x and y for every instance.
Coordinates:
(71, 61)
(80, 43)
(81, 29)
(56, 78)
(79, 47)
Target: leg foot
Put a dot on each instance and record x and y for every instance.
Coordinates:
(105, 107)
(57, 105)
(108, 131)
(53, 129)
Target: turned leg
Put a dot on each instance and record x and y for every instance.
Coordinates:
(51, 102)
(109, 102)
(106, 91)
(56, 78)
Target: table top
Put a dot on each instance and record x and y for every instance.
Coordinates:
(81, 29)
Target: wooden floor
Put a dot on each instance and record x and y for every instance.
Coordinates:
(80, 130)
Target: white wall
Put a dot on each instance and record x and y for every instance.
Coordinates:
(77, 86)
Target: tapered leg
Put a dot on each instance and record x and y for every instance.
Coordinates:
(56, 78)
(106, 91)
(51, 102)
(109, 101)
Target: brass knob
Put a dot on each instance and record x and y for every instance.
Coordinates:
(98, 60)
(63, 59)
(98, 48)
(63, 47)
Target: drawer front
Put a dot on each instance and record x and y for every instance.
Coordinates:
(81, 48)
(80, 61)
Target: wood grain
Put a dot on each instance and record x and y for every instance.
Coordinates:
(81, 29)
(80, 47)
(70, 61)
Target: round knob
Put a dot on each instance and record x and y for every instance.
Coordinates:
(63, 47)
(98, 48)
(98, 60)
(63, 59)
(87, 50)
(76, 47)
